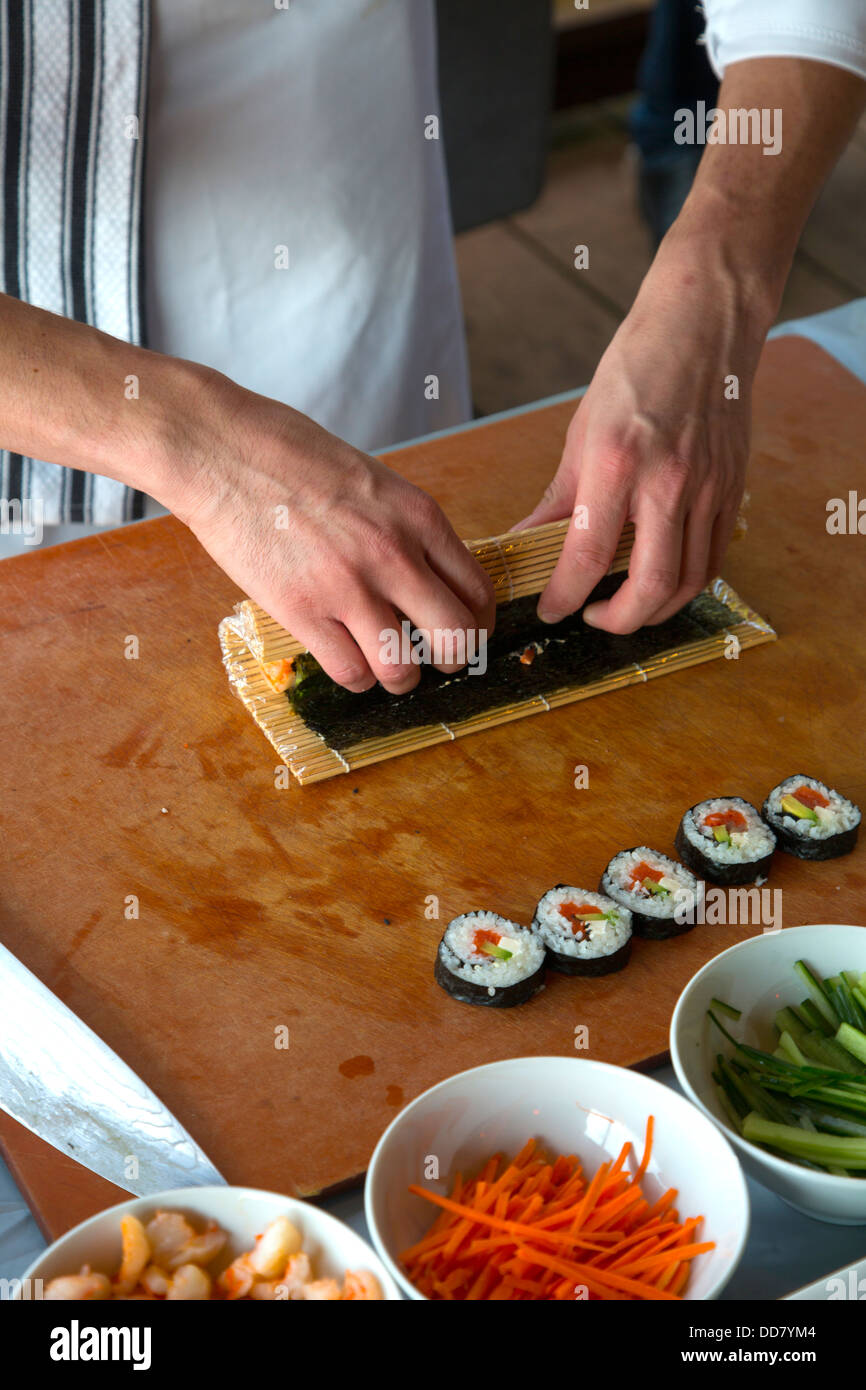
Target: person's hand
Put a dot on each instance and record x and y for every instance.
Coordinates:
(334, 545)
(661, 438)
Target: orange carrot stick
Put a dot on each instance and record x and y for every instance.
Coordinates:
(536, 1229)
(647, 1150)
(680, 1252)
(585, 1274)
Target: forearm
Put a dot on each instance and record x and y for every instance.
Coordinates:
(72, 395)
(661, 437)
(328, 540)
(748, 207)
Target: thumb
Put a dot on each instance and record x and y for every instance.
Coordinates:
(554, 505)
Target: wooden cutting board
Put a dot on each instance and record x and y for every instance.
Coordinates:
(304, 908)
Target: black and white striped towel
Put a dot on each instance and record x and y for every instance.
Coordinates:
(73, 88)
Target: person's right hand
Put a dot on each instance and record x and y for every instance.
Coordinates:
(334, 545)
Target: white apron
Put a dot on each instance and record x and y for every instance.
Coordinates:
(297, 224)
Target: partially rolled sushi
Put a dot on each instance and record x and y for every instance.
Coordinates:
(725, 840)
(660, 894)
(810, 819)
(485, 959)
(583, 933)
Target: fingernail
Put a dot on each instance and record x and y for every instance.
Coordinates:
(547, 616)
(590, 614)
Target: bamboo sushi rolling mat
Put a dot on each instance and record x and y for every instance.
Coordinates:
(519, 564)
(304, 907)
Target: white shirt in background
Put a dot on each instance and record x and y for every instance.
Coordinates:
(831, 31)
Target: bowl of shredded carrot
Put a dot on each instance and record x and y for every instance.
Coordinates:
(554, 1178)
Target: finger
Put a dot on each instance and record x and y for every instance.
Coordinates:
(694, 569)
(451, 635)
(554, 505)
(653, 572)
(723, 529)
(385, 642)
(459, 570)
(556, 502)
(558, 495)
(336, 651)
(589, 547)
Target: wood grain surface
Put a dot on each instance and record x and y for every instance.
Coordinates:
(305, 907)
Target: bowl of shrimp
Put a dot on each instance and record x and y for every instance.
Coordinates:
(210, 1243)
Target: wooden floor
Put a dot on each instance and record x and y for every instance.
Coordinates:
(536, 325)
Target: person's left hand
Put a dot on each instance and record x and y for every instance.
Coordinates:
(659, 439)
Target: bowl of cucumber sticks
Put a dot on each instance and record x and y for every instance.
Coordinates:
(769, 1040)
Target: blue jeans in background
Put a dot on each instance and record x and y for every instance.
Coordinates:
(674, 72)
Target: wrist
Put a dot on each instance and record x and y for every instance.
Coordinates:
(741, 270)
(740, 244)
(179, 436)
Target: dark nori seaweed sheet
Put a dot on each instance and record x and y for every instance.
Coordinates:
(658, 928)
(803, 848)
(505, 998)
(573, 654)
(589, 967)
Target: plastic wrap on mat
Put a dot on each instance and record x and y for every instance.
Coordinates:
(255, 647)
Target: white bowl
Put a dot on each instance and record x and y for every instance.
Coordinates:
(242, 1212)
(757, 977)
(565, 1103)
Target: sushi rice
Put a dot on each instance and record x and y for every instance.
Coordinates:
(724, 839)
(751, 844)
(599, 939)
(841, 815)
(490, 979)
(669, 912)
(618, 883)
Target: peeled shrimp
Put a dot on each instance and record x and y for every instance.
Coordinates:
(198, 1251)
(267, 1290)
(279, 674)
(361, 1284)
(155, 1280)
(78, 1287)
(322, 1291)
(136, 1253)
(297, 1274)
(237, 1280)
(166, 1259)
(169, 1234)
(190, 1282)
(280, 1240)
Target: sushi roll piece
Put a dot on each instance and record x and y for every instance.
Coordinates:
(485, 959)
(724, 839)
(583, 933)
(810, 819)
(660, 894)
